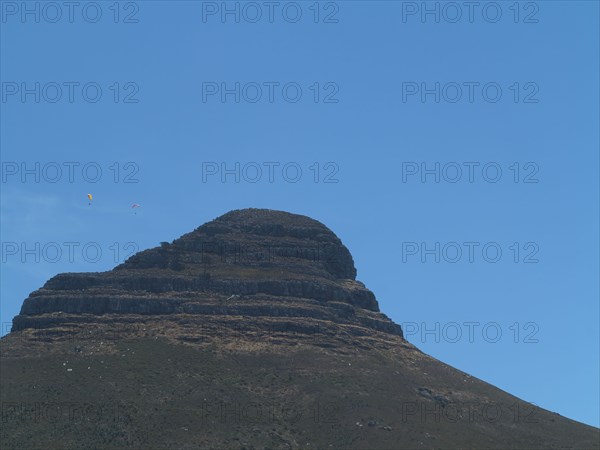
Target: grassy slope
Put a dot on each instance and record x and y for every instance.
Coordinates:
(155, 393)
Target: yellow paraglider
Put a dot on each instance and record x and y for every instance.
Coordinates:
(90, 198)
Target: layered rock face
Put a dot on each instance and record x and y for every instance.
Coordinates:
(253, 264)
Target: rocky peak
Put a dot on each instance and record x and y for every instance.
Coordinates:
(255, 238)
(251, 262)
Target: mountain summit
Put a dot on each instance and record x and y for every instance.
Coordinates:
(250, 332)
(253, 263)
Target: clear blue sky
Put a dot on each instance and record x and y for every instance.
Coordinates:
(378, 132)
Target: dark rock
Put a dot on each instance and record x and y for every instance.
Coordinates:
(253, 263)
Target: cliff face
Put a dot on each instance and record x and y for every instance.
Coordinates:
(251, 263)
(251, 332)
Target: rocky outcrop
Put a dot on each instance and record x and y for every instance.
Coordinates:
(250, 263)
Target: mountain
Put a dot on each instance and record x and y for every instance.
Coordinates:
(250, 332)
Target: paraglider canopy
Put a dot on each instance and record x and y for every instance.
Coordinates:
(90, 197)
(135, 205)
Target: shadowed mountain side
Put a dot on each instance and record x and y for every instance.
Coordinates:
(251, 332)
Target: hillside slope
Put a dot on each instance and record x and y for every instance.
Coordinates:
(249, 332)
